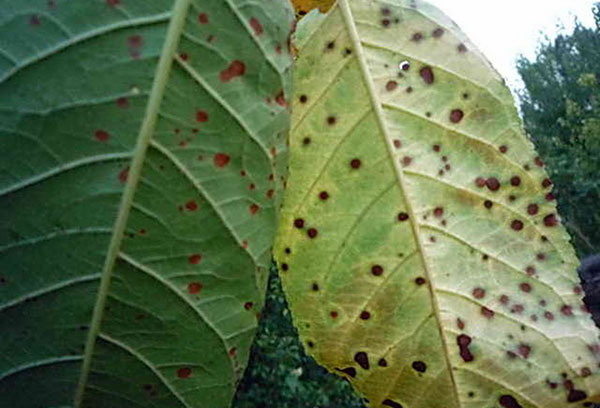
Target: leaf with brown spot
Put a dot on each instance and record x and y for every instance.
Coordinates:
(455, 293)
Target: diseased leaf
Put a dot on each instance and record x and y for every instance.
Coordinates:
(419, 244)
(143, 146)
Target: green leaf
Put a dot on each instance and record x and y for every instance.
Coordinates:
(143, 149)
(419, 244)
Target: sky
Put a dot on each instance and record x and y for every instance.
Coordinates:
(505, 29)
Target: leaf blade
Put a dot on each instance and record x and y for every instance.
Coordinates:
(341, 279)
(189, 275)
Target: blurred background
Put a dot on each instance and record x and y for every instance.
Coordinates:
(549, 52)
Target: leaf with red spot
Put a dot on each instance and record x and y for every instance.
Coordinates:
(134, 256)
(436, 250)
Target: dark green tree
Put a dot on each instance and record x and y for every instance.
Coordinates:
(561, 109)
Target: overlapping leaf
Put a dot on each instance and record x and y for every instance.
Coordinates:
(142, 144)
(419, 244)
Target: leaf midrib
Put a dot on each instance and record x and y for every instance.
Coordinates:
(365, 72)
(163, 69)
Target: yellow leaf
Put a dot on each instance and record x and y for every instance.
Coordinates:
(304, 6)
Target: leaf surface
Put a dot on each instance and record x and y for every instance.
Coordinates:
(419, 245)
(143, 149)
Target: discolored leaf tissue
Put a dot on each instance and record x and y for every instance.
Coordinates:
(419, 243)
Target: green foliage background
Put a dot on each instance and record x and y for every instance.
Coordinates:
(279, 373)
(561, 108)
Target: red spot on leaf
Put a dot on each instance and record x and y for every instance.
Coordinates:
(191, 205)
(184, 372)
(256, 26)
(113, 3)
(194, 259)
(248, 305)
(194, 287)
(203, 18)
(280, 99)
(122, 103)
(253, 209)
(135, 44)
(201, 116)
(101, 135)
(221, 159)
(124, 174)
(235, 69)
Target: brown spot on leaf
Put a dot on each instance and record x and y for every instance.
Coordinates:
(550, 220)
(478, 293)
(525, 287)
(576, 396)
(517, 225)
(362, 359)
(377, 270)
(427, 75)
(355, 163)
(391, 404)
(492, 184)
(419, 366)
(487, 313)
(350, 371)
(456, 115)
(508, 401)
(463, 341)
(391, 86)
(567, 310)
(532, 209)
